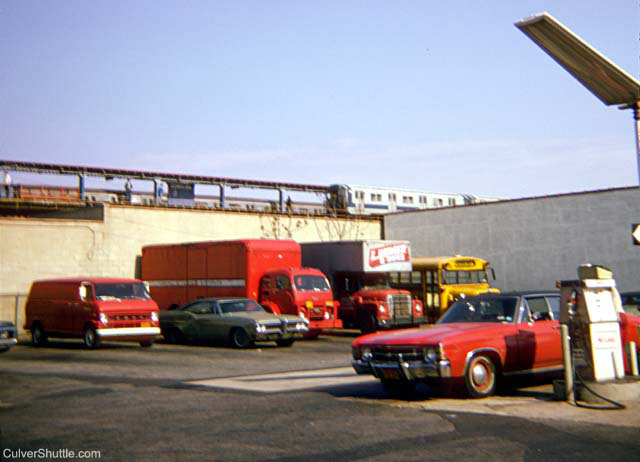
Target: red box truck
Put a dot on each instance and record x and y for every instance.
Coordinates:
(359, 274)
(268, 271)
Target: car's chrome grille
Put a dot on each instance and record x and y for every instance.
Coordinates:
(393, 354)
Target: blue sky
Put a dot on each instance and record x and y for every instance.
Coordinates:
(439, 96)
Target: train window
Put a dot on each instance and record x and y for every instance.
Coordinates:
(452, 201)
(407, 200)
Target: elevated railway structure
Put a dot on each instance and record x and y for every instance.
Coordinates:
(180, 186)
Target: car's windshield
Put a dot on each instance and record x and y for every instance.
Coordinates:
(311, 283)
(240, 306)
(121, 290)
(481, 309)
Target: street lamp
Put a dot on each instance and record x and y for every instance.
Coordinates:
(598, 74)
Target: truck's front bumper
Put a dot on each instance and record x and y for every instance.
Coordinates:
(400, 322)
(325, 324)
(403, 370)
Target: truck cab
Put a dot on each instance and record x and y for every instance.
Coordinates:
(304, 292)
(369, 303)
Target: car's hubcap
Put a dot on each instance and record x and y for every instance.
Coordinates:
(480, 375)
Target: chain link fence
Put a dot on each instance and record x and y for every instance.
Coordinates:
(12, 309)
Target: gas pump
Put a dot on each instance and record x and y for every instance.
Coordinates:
(589, 316)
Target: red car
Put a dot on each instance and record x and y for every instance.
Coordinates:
(478, 341)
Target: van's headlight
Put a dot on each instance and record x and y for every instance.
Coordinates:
(301, 326)
(366, 354)
(260, 328)
(154, 316)
(104, 319)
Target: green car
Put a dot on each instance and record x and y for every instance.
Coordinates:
(239, 321)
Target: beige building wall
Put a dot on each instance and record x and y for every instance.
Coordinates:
(33, 249)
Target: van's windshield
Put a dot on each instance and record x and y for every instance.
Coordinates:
(121, 290)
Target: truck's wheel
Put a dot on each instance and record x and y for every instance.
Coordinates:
(240, 338)
(285, 342)
(90, 337)
(312, 334)
(399, 389)
(38, 335)
(367, 323)
(480, 378)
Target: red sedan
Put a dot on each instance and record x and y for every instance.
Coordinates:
(479, 340)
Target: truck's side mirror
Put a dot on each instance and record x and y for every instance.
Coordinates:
(82, 292)
(493, 274)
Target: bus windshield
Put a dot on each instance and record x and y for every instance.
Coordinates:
(464, 277)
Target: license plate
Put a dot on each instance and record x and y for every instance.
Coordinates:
(145, 324)
(391, 374)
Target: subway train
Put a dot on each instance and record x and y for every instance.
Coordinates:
(372, 200)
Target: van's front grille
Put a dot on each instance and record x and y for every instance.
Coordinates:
(128, 320)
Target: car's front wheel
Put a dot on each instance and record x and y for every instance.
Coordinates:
(480, 378)
(240, 338)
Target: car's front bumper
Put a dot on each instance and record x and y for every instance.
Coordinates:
(403, 370)
(277, 333)
(8, 335)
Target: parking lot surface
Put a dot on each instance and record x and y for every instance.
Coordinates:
(210, 402)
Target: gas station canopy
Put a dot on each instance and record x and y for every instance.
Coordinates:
(604, 79)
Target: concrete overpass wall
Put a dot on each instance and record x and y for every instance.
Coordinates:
(45, 248)
(533, 242)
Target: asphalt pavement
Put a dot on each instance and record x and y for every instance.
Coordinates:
(181, 402)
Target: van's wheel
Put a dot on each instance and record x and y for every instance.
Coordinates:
(90, 337)
(38, 335)
(146, 343)
(240, 338)
(480, 378)
(399, 389)
(285, 342)
(4, 349)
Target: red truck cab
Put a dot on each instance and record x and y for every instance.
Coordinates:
(92, 309)
(359, 274)
(305, 292)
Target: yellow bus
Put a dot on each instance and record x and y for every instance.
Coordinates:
(439, 281)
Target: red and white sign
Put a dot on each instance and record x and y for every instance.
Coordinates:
(390, 253)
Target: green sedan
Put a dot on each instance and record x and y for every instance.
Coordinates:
(240, 321)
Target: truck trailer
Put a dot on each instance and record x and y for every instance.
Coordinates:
(268, 271)
(359, 274)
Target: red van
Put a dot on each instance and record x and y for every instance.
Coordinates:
(93, 309)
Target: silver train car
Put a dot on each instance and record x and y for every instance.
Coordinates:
(371, 200)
